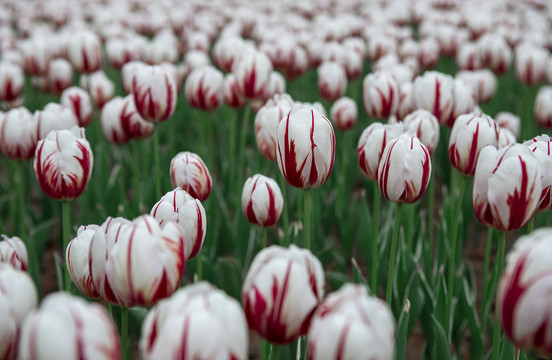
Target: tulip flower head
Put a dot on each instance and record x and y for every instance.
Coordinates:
(85, 52)
(231, 92)
(77, 260)
(332, 80)
(371, 144)
(543, 107)
(434, 92)
(531, 61)
(127, 74)
(494, 53)
(79, 102)
(507, 120)
(262, 201)
(18, 135)
(426, 127)
(100, 87)
(252, 72)
(267, 119)
(14, 252)
(406, 100)
(54, 117)
(541, 146)
(380, 94)
(11, 81)
(59, 76)
(204, 88)
(121, 122)
(189, 172)
(154, 92)
(344, 113)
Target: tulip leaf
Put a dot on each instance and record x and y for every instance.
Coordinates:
(441, 348)
(468, 310)
(401, 339)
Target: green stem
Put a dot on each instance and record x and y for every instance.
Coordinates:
(156, 163)
(307, 198)
(531, 224)
(199, 265)
(243, 138)
(265, 349)
(231, 152)
(452, 258)
(431, 210)
(136, 176)
(265, 231)
(122, 176)
(393, 255)
(273, 352)
(285, 218)
(500, 268)
(375, 235)
(124, 333)
(66, 233)
(486, 271)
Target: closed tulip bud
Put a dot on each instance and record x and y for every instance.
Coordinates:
(172, 71)
(543, 107)
(121, 122)
(306, 148)
(406, 100)
(434, 92)
(154, 92)
(11, 81)
(332, 81)
(18, 136)
(79, 102)
(428, 53)
(267, 120)
(484, 81)
(380, 45)
(231, 92)
(404, 170)
(262, 201)
(506, 187)
(127, 74)
(77, 260)
(426, 127)
(85, 51)
(467, 56)
(204, 88)
(531, 63)
(252, 72)
(276, 85)
(507, 120)
(380, 94)
(176, 326)
(495, 53)
(14, 252)
(371, 144)
(67, 327)
(523, 291)
(350, 324)
(541, 148)
(465, 100)
(36, 55)
(59, 76)
(344, 113)
(505, 138)
(226, 50)
(549, 70)
(120, 51)
(281, 291)
(189, 172)
(469, 135)
(63, 163)
(100, 87)
(54, 117)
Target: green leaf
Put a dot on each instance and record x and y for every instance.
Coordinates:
(402, 332)
(467, 304)
(441, 348)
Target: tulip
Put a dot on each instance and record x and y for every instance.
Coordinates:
(406, 100)
(226, 50)
(306, 148)
(469, 135)
(380, 94)
(18, 135)
(494, 53)
(14, 252)
(231, 92)
(281, 291)
(428, 53)
(262, 201)
(100, 87)
(540, 147)
(77, 260)
(434, 92)
(267, 119)
(154, 92)
(189, 172)
(63, 163)
(332, 81)
(506, 187)
(379, 45)
(54, 117)
(252, 72)
(120, 51)
(85, 52)
(507, 120)
(467, 56)
(543, 107)
(121, 122)
(36, 55)
(59, 76)
(9, 331)
(179, 206)
(426, 127)
(344, 113)
(350, 324)
(78, 101)
(522, 306)
(531, 63)
(67, 327)
(11, 81)
(195, 59)
(127, 74)
(465, 100)
(505, 138)
(177, 326)
(204, 88)
(371, 144)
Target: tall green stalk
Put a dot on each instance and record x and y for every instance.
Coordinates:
(375, 235)
(393, 255)
(66, 233)
(285, 218)
(265, 236)
(486, 271)
(500, 268)
(307, 198)
(156, 163)
(243, 139)
(124, 333)
(136, 176)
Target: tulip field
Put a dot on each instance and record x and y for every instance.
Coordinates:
(306, 179)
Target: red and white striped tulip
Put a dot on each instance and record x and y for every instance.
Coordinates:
(332, 80)
(483, 81)
(36, 55)
(434, 92)
(467, 56)
(54, 117)
(267, 119)
(541, 146)
(506, 187)
(465, 100)
(127, 74)
(231, 92)
(12, 80)
(495, 53)
(350, 324)
(380, 94)
(531, 61)
(407, 102)
(281, 291)
(428, 53)
(204, 88)
(344, 113)
(77, 256)
(59, 76)
(63, 163)
(78, 100)
(543, 107)
(189, 172)
(507, 120)
(306, 148)
(85, 51)
(177, 326)
(154, 92)
(18, 135)
(121, 122)
(14, 252)
(252, 72)
(404, 170)
(505, 137)
(120, 51)
(426, 127)
(226, 50)
(100, 87)
(262, 201)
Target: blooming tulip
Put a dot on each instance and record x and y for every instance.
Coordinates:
(262, 201)
(426, 127)
(267, 120)
(78, 101)
(380, 94)
(231, 92)
(11, 81)
(428, 53)
(59, 76)
(121, 51)
(100, 87)
(541, 148)
(467, 56)
(204, 88)
(509, 121)
(282, 289)
(252, 72)
(127, 74)
(494, 53)
(371, 144)
(85, 51)
(54, 117)
(121, 122)
(543, 107)
(226, 50)
(531, 63)
(189, 172)
(434, 91)
(505, 137)
(306, 148)
(332, 81)
(18, 135)
(63, 163)
(154, 92)
(14, 252)
(406, 100)
(36, 55)
(77, 260)
(344, 113)
(465, 100)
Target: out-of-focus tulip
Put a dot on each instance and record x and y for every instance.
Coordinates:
(350, 324)
(469, 135)
(127, 74)
(54, 117)
(262, 201)
(523, 309)
(77, 260)
(426, 127)
(549, 70)
(14, 252)
(306, 148)
(100, 87)
(121, 51)
(266, 124)
(434, 92)
(465, 100)
(541, 148)
(79, 102)
(11, 81)
(67, 327)
(281, 291)
(505, 137)
(494, 53)
(344, 113)
(181, 207)
(9, 331)
(404, 170)
(380, 94)
(406, 100)
(332, 80)
(85, 51)
(63, 163)
(467, 56)
(204, 88)
(506, 187)
(428, 53)
(59, 76)
(231, 92)
(483, 81)
(154, 92)
(543, 107)
(121, 122)
(507, 120)
(531, 63)
(18, 135)
(252, 72)
(379, 45)
(371, 144)
(189, 172)
(36, 55)
(226, 50)
(176, 326)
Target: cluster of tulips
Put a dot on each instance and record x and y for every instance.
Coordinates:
(133, 61)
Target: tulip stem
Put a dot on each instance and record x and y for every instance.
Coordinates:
(156, 163)
(66, 233)
(285, 218)
(452, 258)
(307, 198)
(199, 266)
(124, 332)
(231, 153)
(265, 235)
(136, 176)
(531, 224)
(431, 210)
(500, 268)
(375, 235)
(486, 272)
(243, 137)
(393, 255)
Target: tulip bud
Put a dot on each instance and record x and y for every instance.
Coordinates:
(350, 324)
(406, 100)
(65, 327)
(465, 100)
(540, 146)
(332, 81)
(85, 52)
(77, 260)
(18, 136)
(306, 148)
(121, 122)
(127, 74)
(78, 101)
(531, 63)
(178, 325)
(262, 201)
(483, 81)
(404, 169)
(204, 88)
(506, 187)
(63, 163)
(371, 144)
(543, 107)
(11, 81)
(428, 53)
(494, 53)
(59, 76)
(231, 92)
(36, 55)
(267, 119)
(14, 252)
(505, 138)
(426, 127)
(380, 94)
(99, 86)
(523, 290)
(344, 113)
(121, 51)
(252, 72)
(189, 172)
(469, 135)
(226, 50)
(434, 92)
(154, 93)
(507, 120)
(467, 56)
(282, 289)
(54, 117)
